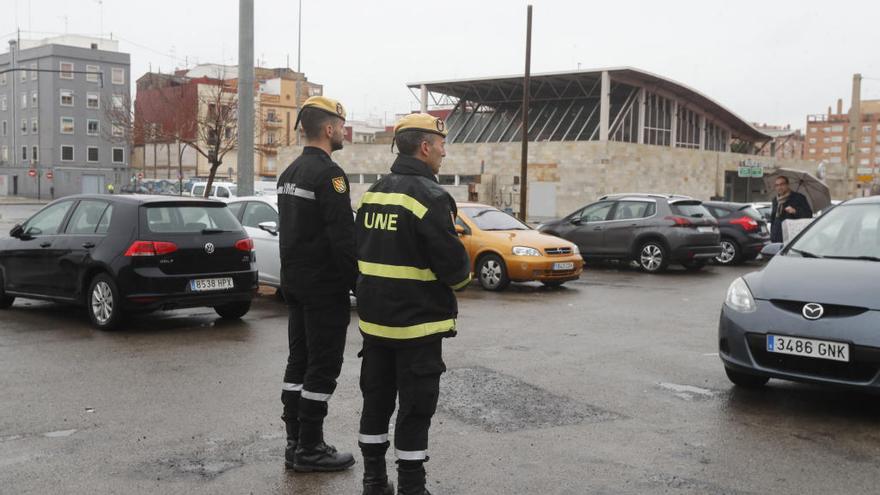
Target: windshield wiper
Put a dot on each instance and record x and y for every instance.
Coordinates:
(806, 254)
(865, 258)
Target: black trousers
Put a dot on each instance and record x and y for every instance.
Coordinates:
(410, 375)
(316, 331)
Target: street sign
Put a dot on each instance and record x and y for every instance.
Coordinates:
(745, 172)
(866, 178)
(50, 175)
(756, 172)
(32, 173)
(865, 171)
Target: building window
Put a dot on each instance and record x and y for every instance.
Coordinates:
(865, 161)
(24, 153)
(866, 129)
(35, 99)
(826, 139)
(67, 126)
(93, 75)
(23, 127)
(4, 154)
(67, 153)
(4, 130)
(812, 140)
(93, 127)
(35, 153)
(866, 139)
(93, 101)
(23, 73)
(812, 151)
(3, 79)
(117, 76)
(865, 151)
(118, 130)
(92, 154)
(35, 126)
(3, 103)
(118, 155)
(826, 129)
(835, 149)
(34, 73)
(117, 102)
(66, 98)
(66, 69)
(24, 100)
(837, 128)
(834, 159)
(836, 139)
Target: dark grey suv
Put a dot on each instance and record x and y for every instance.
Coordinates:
(652, 229)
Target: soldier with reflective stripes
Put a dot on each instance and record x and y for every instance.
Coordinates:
(318, 269)
(410, 261)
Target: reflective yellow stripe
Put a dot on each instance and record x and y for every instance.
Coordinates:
(411, 332)
(462, 283)
(396, 271)
(396, 199)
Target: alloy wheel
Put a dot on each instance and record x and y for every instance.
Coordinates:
(651, 257)
(102, 302)
(491, 273)
(728, 252)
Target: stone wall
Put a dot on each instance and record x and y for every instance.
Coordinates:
(580, 171)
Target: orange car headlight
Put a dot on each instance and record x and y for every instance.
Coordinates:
(525, 251)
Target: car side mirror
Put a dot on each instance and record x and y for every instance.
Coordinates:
(16, 231)
(771, 250)
(270, 227)
(576, 221)
(460, 230)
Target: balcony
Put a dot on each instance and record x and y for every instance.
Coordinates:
(274, 122)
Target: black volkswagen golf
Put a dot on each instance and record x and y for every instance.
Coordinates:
(127, 254)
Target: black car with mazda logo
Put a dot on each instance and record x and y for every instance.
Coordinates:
(122, 254)
(812, 314)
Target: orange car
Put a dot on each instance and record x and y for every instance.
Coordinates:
(504, 249)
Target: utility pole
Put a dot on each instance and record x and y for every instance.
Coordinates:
(855, 131)
(524, 164)
(245, 97)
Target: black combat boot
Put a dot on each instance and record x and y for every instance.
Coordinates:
(411, 478)
(290, 400)
(376, 477)
(312, 454)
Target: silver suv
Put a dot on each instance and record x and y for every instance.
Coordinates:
(653, 230)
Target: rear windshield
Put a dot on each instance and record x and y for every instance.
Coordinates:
(184, 219)
(686, 209)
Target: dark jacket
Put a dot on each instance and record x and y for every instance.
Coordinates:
(778, 214)
(316, 226)
(409, 256)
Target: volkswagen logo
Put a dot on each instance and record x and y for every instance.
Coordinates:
(209, 248)
(813, 311)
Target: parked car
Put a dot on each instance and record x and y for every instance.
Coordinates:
(744, 232)
(259, 217)
(764, 208)
(219, 190)
(811, 315)
(651, 229)
(124, 254)
(504, 249)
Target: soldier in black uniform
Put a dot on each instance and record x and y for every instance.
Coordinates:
(318, 269)
(410, 261)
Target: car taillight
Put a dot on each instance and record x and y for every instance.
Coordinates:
(680, 221)
(150, 248)
(747, 223)
(246, 245)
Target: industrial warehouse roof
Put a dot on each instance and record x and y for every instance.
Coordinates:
(492, 91)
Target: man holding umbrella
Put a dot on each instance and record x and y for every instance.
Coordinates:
(787, 205)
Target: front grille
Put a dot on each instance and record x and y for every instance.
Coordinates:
(558, 251)
(831, 310)
(863, 366)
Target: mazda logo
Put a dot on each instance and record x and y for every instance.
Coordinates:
(209, 248)
(813, 311)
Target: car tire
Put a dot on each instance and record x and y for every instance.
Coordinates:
(652, 257)
(745, 380)
(103, 302)
(731, 253)
(5, 301)
(234, 310)
(492, 273)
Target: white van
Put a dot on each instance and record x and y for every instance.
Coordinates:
(219, 190)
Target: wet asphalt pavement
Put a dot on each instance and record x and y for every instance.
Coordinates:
(609, 385)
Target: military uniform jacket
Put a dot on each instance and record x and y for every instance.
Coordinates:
(316, 227)
(409, 256)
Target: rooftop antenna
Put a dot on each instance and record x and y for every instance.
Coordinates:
(65, 22)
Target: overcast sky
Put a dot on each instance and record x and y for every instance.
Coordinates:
(771, 61)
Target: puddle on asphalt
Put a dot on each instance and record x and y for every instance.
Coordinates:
(501, 403)
(688, 392)
(59, 433)
(213, 458)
